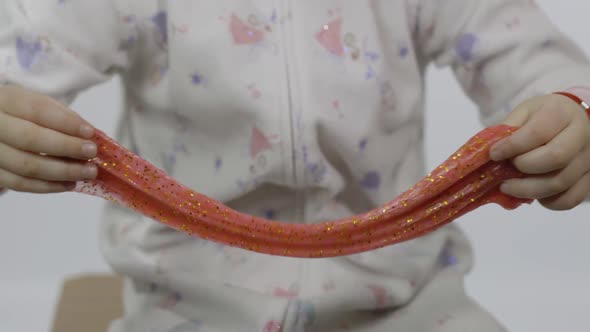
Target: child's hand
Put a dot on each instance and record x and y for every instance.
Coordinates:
(553, 144)
(42, 143)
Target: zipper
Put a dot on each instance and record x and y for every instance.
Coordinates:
(295, 121)
(288, 42)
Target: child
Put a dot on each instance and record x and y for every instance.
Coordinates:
(296, 111)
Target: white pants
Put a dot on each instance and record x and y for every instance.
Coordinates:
(441, 306)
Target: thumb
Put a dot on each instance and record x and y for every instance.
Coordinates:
(517, 118)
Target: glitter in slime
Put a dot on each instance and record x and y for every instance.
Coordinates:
(465, 181)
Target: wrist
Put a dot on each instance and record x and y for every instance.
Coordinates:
(578, 94)
(581, 91)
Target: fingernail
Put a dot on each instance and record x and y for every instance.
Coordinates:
(496, 154)
(89, 172)
(86, 131)
(89, 150)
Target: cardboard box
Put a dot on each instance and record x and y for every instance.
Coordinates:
(88, 303)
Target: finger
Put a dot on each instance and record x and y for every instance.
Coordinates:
(44, 111)
(28, 136)
(556, 154)
(540, 128)
(18, 183)
(521, 113)
(570, 198)
(549, 184)
(35, 166)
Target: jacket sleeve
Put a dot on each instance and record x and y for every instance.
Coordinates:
(61, 47)
(501, 51)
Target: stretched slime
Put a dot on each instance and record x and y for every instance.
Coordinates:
(467, 180)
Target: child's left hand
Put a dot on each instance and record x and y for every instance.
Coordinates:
(553, 145)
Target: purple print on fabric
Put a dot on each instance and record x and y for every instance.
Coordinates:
(370, 73)
(196, 79)
(371, 180)
(170, 156)
(403, 52)
(177, 297)
(169, 162)
(127, 43)
(318, 171)
(27, 52)
(161, 22)
(447, 258)
(306, 314)
(465, 46)
(270, 214)
(363, 144)
(371, 56)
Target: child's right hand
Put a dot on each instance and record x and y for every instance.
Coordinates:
(43, 145)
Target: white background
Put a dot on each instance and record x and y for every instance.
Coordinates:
(532, 269)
